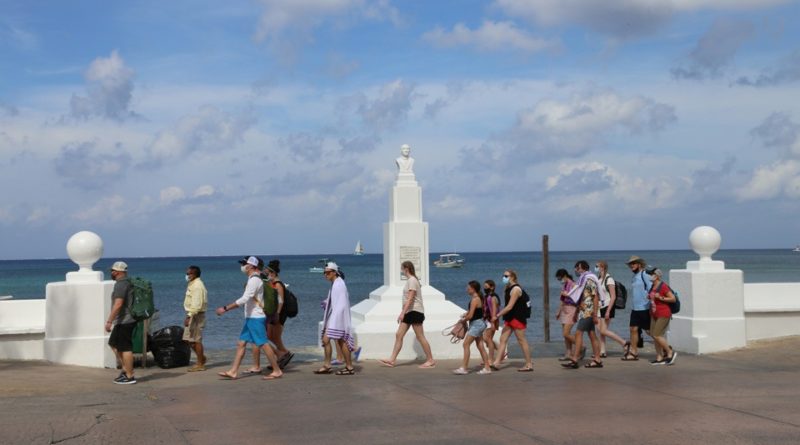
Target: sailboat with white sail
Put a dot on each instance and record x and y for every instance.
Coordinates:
(359, 250)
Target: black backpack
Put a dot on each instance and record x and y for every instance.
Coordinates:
(621, 294)
(526, 311)
(289, 303)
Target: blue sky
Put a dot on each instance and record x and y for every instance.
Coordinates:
(212, 128)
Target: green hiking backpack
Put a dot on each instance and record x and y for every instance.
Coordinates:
(140, 305)
(270, 298)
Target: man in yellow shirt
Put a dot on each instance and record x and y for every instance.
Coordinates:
(195, 303)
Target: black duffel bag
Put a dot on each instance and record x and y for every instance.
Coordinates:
(168, 347)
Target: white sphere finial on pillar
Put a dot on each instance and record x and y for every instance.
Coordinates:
(84, 249)
(705, 241)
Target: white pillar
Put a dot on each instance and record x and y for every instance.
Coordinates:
(712, 300)
(405, 238)
(76, 309)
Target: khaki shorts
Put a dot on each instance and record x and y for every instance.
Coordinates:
(658, 326)
(194, 332)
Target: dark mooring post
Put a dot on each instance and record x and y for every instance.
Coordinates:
(546, 285)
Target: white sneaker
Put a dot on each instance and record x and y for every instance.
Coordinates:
(484, 371)
(460, 371)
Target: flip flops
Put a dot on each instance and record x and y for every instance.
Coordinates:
(386, 362)
(525, 369)
(227, 375)
(427, 365)
(271, 377)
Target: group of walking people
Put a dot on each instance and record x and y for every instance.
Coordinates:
(587, 302)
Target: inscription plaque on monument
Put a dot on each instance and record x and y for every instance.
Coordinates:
(413, 254)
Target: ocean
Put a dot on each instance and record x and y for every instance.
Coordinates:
(26, 279)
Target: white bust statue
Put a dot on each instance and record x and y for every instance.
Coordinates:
(405, 163)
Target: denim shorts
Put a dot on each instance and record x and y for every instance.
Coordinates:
(476, 327)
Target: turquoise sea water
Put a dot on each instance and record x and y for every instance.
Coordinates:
(26, 279)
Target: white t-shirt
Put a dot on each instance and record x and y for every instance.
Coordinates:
(605, 297)
(412, 283)
(252, 292)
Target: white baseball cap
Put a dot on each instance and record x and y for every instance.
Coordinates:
(332, 266)
(119, 266)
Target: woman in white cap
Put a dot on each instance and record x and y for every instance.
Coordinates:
(411, 316)
(336, 323)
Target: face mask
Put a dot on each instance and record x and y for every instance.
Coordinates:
(187, 278)
(244, 269)
(505, 280)
(402, 273)
(487, 291)
(596, 269)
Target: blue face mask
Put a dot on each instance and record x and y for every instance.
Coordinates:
(505, 280)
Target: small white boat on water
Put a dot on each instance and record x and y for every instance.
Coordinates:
(449, 261)
(319, 269)
(796, 249)
(359, 250)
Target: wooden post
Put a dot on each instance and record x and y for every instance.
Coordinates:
(546, 285)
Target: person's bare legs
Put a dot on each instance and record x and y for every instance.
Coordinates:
(398, 343)
(126, 359)
(467, 343)
(576, 353)
(256, 360)
(595, 346)
(634, 340)
(488, 337)
(273, 360)
(275, 335)
(326, 346)
(426, 347)
(505, 334)
(569, 338)
(483, 353)
(348, 357)
(526, 351)
(241, 347)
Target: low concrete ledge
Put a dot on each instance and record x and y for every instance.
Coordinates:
(771, 297)
(22, 330)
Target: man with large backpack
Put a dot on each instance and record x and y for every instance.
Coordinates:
(120, 323)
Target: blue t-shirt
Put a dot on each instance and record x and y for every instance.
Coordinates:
(641, 284)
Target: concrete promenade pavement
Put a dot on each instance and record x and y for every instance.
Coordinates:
(740, 397)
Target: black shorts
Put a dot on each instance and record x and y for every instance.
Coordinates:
(641, 319)
(275, 319)
(585, 325)
(605, 309)
(121, 337)
(413, 317)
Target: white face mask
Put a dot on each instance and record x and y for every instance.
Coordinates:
(187, 278)
(596, 269)
(244, 269)
(505, 280)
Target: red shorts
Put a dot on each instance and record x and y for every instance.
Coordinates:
(515, 324)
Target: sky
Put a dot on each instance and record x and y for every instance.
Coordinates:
(189, 128)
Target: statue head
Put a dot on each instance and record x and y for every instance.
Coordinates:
(405, 150)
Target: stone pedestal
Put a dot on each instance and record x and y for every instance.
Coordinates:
(405, 238)
(712, 300)
(76, 309)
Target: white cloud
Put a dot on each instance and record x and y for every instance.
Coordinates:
(82, 165)
(109, 84)
(555, 128)
(453, 206)
(110, 209)
(171, 194)
(617, 18)
(38, 215)
(715, 49)
(491, 36)
(204, 191)
(389, 109)
(772, 181)
(208, 130)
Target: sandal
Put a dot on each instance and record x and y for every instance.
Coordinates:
(525, 369)
(626, 348)
(494, 368)
(571, 365)
(630, 357)
(593, 364)
(603, 355)
(324, 370)
(346, 371)
(386, 362)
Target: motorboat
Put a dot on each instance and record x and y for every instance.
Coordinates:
(449, 261)
(796, 249)
(319, 269)
(359, 250)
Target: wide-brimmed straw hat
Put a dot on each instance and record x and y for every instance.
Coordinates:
(634, 259)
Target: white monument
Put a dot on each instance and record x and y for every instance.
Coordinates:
(76, 309)
(712, 316)
(405, 238)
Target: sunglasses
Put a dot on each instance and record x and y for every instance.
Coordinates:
(506, 276)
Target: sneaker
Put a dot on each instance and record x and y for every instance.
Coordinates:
(124, 380)
(336, 362)
(460, 371)
(672, 359)
(484, 371)
(658, 362)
